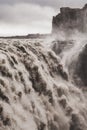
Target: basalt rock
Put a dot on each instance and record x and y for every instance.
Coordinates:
(81, 68)
(70, 19)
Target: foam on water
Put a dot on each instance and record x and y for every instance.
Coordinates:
(35, 92)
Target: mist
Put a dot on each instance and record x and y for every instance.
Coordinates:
(43, 77)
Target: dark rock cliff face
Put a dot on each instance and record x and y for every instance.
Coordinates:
(70, 19)
(81, 69)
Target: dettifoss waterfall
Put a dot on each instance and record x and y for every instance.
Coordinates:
(43, 87)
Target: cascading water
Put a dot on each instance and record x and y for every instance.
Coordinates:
(69, 51)
(35, 92)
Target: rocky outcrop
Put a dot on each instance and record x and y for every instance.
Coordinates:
(60, 46)
(81, 67)
(69, 19)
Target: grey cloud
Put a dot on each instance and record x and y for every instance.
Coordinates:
(52, 3)
(33, 14)
(25, 13)
(26, 17)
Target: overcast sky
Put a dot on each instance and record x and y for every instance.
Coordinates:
(19, 17)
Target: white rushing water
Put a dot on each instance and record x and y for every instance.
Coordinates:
(35, 91)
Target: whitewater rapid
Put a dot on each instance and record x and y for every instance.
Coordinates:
(35, 91)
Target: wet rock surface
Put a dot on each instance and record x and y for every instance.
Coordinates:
(81, 69)
(60, 46)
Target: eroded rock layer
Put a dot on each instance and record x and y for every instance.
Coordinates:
(70, 19)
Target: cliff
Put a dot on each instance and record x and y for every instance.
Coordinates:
(70, 19)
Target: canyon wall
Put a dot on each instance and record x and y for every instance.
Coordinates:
(70, 19)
